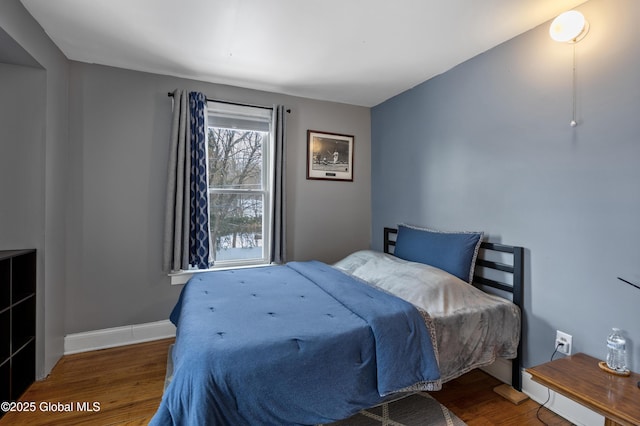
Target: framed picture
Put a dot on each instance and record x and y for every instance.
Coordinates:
(329, 156)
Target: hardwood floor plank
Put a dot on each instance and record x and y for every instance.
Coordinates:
(127, 382)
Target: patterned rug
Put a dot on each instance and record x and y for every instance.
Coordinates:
(416, 410)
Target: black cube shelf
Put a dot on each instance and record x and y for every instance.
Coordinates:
(17, 322)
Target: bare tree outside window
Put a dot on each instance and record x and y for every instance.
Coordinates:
(236, 192)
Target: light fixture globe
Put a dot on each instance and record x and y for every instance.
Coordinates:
(569, 27)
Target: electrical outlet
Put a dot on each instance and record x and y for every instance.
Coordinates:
(566, 341)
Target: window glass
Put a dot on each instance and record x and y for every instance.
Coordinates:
(240, 171)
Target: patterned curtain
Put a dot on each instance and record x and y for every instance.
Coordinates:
(199, 192)
(186, 238)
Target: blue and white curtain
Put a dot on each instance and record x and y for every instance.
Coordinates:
(199, 247)
(187, 240)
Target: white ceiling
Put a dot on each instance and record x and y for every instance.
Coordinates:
(359, 52)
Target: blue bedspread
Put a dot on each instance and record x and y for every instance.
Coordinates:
(301, 343)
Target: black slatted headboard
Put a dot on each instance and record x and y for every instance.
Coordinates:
(513, 268)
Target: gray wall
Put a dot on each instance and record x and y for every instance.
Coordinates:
(21, 157)
(120, 123)
(33, 151)
(488, 146)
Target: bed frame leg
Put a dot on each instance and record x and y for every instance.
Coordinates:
(510, 394)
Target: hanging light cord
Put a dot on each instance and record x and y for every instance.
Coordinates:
(573, 122)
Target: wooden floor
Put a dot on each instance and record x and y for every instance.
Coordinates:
(471, 398)
(127, 384)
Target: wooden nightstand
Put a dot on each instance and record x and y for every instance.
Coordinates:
(579, 378)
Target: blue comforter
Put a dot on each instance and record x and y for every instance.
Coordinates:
(301, 343)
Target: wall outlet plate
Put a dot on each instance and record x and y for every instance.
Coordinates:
(566, 340)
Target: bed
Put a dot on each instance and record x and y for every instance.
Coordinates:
(310, 343)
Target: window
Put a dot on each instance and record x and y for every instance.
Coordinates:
(240, 164)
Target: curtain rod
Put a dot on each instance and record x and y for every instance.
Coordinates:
(170, 94)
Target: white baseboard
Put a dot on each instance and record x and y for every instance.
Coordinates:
(570, 410)
(118, 336)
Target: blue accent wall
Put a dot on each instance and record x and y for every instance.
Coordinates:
(487, 146)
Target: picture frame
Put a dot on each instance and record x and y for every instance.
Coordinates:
(329, 156)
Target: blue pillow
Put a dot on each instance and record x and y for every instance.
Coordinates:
(453, 252)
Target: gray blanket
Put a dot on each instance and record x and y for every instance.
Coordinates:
(472, 327)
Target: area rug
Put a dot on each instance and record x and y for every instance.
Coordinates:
(419, 409)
